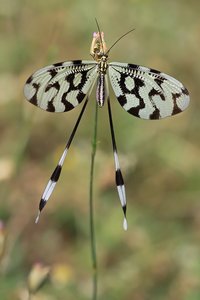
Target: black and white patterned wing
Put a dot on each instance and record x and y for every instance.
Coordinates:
(147, 93)
(61, 86)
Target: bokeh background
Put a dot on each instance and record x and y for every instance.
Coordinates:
(158, 258)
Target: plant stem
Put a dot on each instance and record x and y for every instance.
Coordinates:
(92, 230)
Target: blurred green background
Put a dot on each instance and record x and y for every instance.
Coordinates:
(158, 258)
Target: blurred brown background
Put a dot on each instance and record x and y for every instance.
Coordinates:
(158, 258)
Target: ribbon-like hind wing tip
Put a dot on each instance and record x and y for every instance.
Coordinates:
(37, 218)
(125, 224)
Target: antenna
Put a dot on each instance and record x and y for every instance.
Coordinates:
(119, 39)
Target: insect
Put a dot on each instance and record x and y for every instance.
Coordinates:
(143, 92)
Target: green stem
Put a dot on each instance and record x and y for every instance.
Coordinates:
(92, 230)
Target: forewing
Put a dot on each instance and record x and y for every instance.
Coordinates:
(61, 86)
(147, 93)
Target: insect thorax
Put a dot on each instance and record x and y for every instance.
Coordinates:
(103, 64)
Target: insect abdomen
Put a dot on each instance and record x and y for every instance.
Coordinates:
(101, 90)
